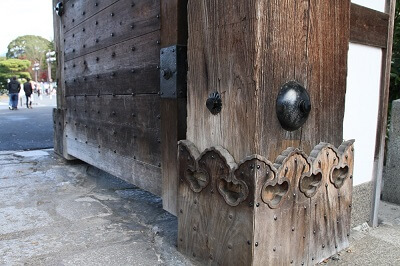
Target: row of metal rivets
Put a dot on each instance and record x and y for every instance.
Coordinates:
(96, 5)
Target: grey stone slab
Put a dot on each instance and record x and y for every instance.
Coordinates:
(16, 169)
(387, 233)
(116, 255)
(391, 175)
(61, 240)
(20, 219)
(82, 208)
(369, 251)
(35, 153)
(389, 213)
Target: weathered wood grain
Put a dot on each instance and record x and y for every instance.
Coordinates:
(173, 128)
(112, 25)
(174, 31)
(59, 112)
(136, 80)
(247, 51)
(77, 11)
(209, 229)
(324, 213)
(58, 128)
(143, 175)
(174, 22)
(287, 222)
(110, 87)
(298, 208)
(368, 26)
(118, 57)
(390, 8)
(125, 125)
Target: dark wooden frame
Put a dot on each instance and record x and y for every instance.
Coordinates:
(174, 31)
(374, 28)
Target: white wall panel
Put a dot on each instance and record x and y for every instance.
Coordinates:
(361, 107)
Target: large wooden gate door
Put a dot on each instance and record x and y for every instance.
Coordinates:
(108, 103)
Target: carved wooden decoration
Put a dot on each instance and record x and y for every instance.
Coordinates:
(294, 211)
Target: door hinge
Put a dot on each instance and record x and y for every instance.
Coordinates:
(173, 72)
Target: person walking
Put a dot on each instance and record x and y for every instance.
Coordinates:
(13, 89)
(28, 88)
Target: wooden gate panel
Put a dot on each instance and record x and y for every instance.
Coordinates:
(135, 80)
(115, 63)
(114, 24)
(111, 86)
(77, 11)
(123, 124)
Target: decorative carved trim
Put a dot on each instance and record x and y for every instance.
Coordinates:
(262, 208)
(324, 163)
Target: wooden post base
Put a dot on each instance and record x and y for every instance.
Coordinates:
(294, 211)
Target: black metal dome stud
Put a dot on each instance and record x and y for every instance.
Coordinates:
(293, 106)
(214, 103)
(59, 8)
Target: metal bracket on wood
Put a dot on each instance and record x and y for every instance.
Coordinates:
(173, 68)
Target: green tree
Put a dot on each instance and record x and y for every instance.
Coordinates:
(29, 47)
(13, 67)
(395, 70)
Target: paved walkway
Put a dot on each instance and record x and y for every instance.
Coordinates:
(43, 101)
(54, 212)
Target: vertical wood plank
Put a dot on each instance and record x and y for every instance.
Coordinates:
(60, 146)
(211, 230)
(282, 229)
(173, 111)
(382, 114)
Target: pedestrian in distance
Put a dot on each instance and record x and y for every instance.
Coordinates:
(28, 88)
(13, 90)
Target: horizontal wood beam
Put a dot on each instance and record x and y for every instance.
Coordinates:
(368, 26)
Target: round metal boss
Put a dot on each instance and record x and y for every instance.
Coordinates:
(293, 106)
(59, 9)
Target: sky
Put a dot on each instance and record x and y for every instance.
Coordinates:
(24, 17)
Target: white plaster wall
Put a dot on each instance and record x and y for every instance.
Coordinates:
(373, 4)
(361, 107)
(362, 101)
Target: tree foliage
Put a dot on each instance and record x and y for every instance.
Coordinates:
(13, 67)
(395, 70)
(30, 47)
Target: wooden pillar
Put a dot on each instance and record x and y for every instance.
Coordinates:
(173, 111)
(252, 192)
(390, 9)
(60, 146)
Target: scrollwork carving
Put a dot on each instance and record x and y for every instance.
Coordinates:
(293, 167)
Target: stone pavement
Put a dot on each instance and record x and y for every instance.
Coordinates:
(54, 212)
